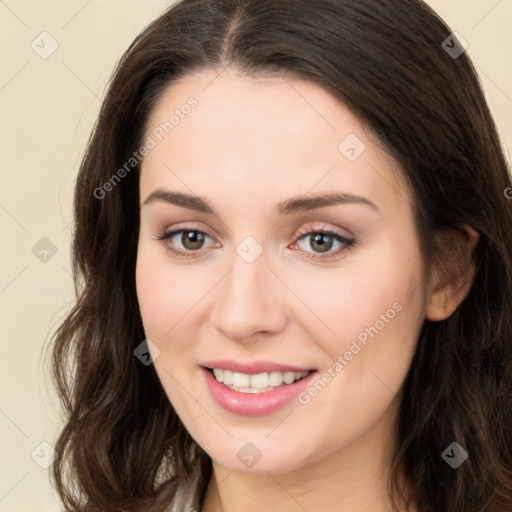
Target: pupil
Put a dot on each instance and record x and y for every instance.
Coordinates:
(192, 239)
(324, 246)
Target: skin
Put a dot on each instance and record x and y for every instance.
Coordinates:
(248, 145)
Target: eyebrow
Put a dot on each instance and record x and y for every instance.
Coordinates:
(289, 206)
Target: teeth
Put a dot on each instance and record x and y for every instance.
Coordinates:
(227, 377)
(241, 380)
(275, 378)
(289, 377)
(258, 383)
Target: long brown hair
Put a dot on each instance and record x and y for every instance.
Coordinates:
(123, 447)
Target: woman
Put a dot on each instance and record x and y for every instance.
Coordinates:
(292, 255)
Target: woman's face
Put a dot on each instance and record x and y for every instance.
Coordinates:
(297, 253)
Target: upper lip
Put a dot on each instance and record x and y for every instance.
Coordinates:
(253, 367)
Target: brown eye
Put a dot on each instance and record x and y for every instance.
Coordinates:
(323, 241)
(192, 240)
(184, 242)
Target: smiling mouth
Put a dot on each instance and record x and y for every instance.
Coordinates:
(256, 383)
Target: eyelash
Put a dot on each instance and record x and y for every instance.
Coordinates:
(348, 243)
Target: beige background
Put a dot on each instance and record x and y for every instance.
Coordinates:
(47, 109)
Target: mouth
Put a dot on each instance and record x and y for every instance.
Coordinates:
(256, 383)
(254, 388)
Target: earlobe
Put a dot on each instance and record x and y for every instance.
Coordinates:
(454, 280)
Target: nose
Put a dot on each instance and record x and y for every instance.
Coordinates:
(249, 301)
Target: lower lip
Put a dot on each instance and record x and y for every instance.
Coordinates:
(254, 404)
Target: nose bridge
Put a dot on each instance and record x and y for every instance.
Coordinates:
(248, 299)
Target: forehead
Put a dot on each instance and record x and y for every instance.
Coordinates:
(271, 137)
(235, 108)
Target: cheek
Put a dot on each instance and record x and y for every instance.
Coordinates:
(174, 300)
(164, 292)
(365, 292)
(151, 293)
(374, 313)
(375, 334)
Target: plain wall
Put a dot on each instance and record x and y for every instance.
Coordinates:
(47, 109)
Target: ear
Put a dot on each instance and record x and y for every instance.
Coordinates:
(453, 279)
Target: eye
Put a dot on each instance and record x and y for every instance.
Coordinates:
(322, 242)
(192, 240)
